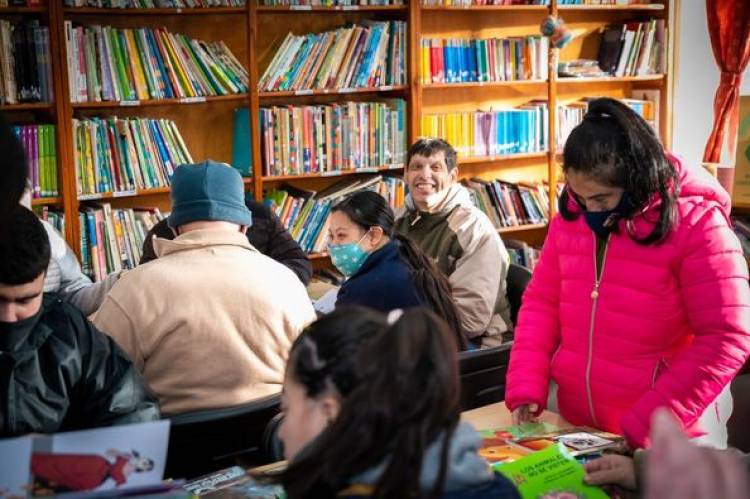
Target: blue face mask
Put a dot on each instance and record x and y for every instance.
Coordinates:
(604, 222)
(348, 257)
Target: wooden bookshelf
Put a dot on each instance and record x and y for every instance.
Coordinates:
(253, 32)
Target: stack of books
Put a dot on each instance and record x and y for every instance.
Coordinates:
(305, 213)
(112, 239)
(484, 60)
(111, 64)
(332, 3)
(54, 217)
(40, 144)
(25, 70)
(467, 3)
(331, 138)
(125, 154)
(154, 4)
(509, 205)
(366, 55)
(492, 133)
(634, 48)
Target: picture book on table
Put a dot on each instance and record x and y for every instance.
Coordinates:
(91, 463)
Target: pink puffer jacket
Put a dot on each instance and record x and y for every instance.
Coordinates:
(670, 326)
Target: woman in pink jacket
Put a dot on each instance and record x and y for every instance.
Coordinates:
(640, 299)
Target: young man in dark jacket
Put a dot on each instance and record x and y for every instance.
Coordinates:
(266, 234)
(57, 372)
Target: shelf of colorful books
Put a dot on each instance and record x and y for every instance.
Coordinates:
(123, 194)
(197, 11)
(608, 79)
(391, 89)
(633, 7)
(45, 201)
(508, 157)
(335, 173)
(480, 8)
(13, 11)
(281, 9)
(160, 102)
(484, 84)
(27, 106)
(520, 228)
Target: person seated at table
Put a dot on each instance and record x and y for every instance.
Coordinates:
(371, 408)
(57, 371)
(385, 270)
(703, 472)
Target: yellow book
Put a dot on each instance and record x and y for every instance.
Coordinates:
(141, 87)
(91, 177)
(184, 82)
(425, 49)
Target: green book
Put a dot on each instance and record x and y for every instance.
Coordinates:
(551, 472)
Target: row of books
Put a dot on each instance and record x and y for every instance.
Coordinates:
(484, 60)
(305, 213)
(604, 2)
(20, 3)
(570, 115)
(40, 145)
(125, 154)
(522, 253)
(331, 3)
(465, 3)
(369, 54)
(509, 205)
(111, 64)
(331, 138)
(25, 67)
(154, 4)
(112, 239)
(634, 48)
(53, 217)
(492, 133)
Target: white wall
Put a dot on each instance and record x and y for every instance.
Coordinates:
(697, 80)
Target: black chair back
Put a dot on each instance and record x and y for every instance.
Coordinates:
(204, 441)
(483, 376)
(517, 280)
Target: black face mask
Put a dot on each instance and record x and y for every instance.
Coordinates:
(13, 334)
(604, 222)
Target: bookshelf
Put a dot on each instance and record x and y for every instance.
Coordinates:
(253, 33)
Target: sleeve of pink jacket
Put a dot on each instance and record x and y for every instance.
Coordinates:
(537, 333)
(713, 278)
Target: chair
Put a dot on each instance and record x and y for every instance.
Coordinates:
(517, 280)
(482, 375)
(205, 441)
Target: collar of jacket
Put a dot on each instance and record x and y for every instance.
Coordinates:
(204, 238)
(454, 196)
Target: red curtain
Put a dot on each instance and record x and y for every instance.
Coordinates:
(729, 28)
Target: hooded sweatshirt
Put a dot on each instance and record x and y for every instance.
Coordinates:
(466, 248)
(666, 325)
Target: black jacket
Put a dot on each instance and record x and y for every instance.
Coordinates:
(66, 375)
(267, 235)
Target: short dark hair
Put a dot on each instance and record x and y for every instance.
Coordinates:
(617, 147)
(429, 146)
(25, 249)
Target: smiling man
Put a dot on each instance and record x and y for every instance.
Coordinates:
(440, 217)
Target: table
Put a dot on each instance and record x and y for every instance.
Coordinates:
(498, 416)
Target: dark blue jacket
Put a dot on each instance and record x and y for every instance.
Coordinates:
(384, 282)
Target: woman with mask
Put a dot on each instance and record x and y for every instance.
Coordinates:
(371, 409)
(385, 271)
(640, 299)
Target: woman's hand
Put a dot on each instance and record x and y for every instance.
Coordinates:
(611, 469)
(525, 414)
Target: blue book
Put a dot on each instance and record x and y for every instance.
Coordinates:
(242, 160)
(298, 62)
(163, 75)
(161, 147)
(376, 32)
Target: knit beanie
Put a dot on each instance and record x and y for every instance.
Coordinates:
(208, 191)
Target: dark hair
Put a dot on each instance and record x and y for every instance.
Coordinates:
(368, 209)
(13, 174)
(25, 247)
(616, 147)
(400, 394)
(429, 146)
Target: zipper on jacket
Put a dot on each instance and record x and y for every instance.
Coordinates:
(598, 273)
